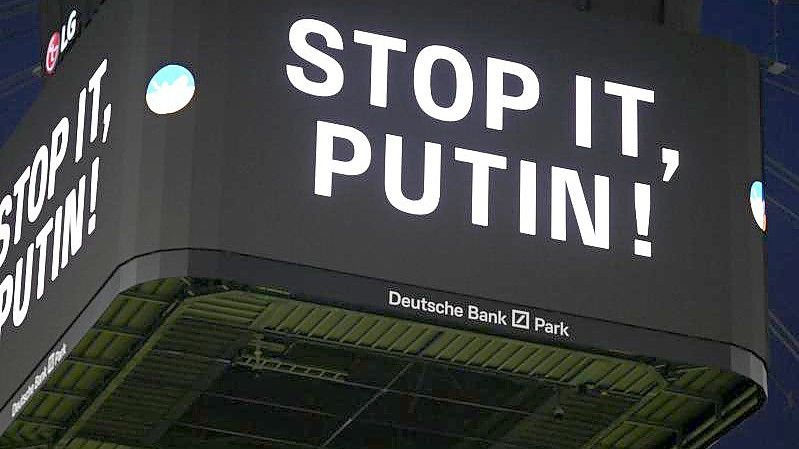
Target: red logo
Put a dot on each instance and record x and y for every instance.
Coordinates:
(53, 51)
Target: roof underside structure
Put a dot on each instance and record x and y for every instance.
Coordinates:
(195, 363)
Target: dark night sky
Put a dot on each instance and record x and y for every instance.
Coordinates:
(751, 23)
(746, 22)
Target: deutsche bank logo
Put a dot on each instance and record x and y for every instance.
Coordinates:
(520, 319)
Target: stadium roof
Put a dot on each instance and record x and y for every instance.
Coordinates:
(198, 363)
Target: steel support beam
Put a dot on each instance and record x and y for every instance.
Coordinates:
(118, 330)
(366, 405)
(94, 363)
(145, 298)
(136, 355)
(32, 420)
(72, 394)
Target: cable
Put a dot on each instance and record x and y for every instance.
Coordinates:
(789, 399)
(17, 77)
(21, 7)
(787, 345)
(18, 87)
(788, 74)
(786, 332)
(14, 3)
(781, 86)
(12, 34)
(781, 172)
(775, 31)
(784, 208)
(785, 175)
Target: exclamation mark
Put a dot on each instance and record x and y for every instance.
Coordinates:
(106, 121)
(642, 212)
(93, 194)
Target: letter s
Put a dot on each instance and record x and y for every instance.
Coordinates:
(5, 230)
(334, 74)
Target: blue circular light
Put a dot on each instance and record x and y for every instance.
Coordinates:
(170, 89)
(757, 201)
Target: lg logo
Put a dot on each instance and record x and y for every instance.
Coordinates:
(59, 41)
(53, 50)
